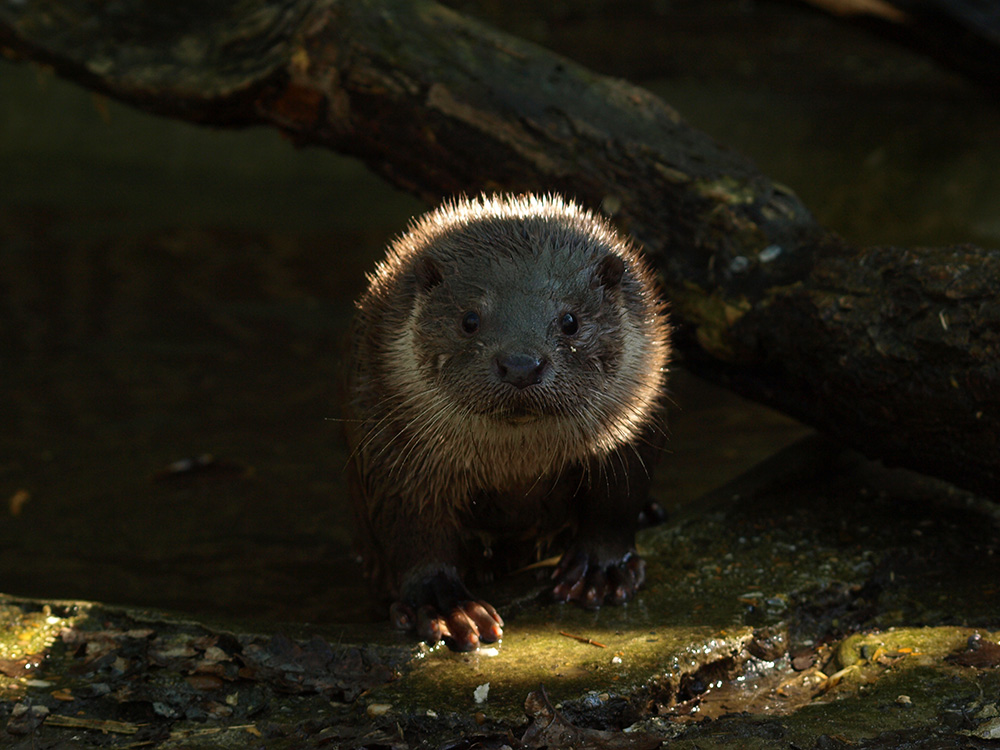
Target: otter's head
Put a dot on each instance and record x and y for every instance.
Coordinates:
(535, 335)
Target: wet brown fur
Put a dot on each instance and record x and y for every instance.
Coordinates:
(448, 461)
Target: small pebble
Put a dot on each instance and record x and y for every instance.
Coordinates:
(378, 709)
(769, 253)
(481, 693)
(25, 719)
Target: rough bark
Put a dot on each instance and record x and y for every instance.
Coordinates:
(896, 351)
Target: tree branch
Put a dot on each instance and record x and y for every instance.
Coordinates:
(896, 351)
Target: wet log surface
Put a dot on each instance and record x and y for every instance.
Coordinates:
(896, 351)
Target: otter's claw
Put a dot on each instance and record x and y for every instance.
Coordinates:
(467, 625)
(461, 622)
(590, 579)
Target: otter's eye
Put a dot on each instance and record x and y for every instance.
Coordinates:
(470, 322)
(569, 324)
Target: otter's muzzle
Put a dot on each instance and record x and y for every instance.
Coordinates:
(520, 370)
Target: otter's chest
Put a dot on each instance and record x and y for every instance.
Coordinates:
(518, 525)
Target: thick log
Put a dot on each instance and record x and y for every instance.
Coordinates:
(896, 351)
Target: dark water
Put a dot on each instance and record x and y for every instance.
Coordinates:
(168, 291)
(124, 354)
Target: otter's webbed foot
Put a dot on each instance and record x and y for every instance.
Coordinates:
(442, 608)
(590, 577)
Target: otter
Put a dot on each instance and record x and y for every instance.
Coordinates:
(508, 366)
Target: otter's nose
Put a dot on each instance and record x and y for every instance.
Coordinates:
(520, 370)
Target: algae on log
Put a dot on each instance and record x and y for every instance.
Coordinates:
(896, 351)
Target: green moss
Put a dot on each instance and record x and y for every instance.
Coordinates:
(26, 637)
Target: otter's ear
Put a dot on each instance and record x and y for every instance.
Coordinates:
(428, 273)
(609, 271)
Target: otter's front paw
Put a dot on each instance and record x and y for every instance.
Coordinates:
(444, 609)
(590, 578)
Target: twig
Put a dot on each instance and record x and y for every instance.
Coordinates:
(582, 639)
